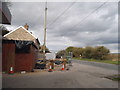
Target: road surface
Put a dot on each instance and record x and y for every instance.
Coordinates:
(79, 76)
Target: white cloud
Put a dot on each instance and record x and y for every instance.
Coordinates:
(100, 28)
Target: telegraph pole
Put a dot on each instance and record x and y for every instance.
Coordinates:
(45, 23)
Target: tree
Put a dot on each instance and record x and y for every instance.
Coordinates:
(88, 52)
(101, 52)
(70, 49)
(77, 52)
(61, 53)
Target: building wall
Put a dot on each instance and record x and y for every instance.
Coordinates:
(8, 56)
(5, 15)
(34, 52)
(25, 61)
(21, 61)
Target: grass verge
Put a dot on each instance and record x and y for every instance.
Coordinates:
(101, 61)
(114, 77)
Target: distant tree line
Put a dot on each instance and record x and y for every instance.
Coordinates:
(98, 52)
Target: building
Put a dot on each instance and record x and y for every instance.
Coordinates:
(5, 18)
(5, 15)
(19, 50)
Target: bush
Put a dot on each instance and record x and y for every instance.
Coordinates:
(99, 52)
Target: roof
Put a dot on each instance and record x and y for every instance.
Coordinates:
(20, 33)
(20, 43)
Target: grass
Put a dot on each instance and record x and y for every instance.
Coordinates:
(114, 77)
(101, 61)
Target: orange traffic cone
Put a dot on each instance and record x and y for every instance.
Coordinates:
(50, 69)
(11, 70)
(63, 67)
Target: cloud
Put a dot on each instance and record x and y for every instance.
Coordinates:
(72, 28)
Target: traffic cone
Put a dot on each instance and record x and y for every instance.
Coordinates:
(50, 69)
(11, 70)
(63, 67)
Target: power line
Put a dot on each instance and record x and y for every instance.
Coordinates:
(90, 14)
(62, 13)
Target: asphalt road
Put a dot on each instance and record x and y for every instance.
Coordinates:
(97, 64)
(79, 76)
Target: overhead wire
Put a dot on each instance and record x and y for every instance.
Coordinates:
(90, 14)
(62, 13)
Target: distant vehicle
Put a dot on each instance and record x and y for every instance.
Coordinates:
(57, 62)
(39, 61)
(40, 64)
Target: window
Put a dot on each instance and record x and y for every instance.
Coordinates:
(24, 49)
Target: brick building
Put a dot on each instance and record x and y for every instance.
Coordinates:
(19, 50)
(5, 15)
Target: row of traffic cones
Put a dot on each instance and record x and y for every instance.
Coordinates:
(62, 69)
(11, 71)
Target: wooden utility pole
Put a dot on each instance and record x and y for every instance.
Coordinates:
(45, 23)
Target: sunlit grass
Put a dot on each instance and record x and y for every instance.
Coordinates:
(114, 77)
(101, 61)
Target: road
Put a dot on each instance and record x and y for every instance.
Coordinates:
(79, 76)
(97, 64)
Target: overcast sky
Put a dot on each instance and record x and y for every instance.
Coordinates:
(79, 24)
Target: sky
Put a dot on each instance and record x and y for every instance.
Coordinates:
(78, 24)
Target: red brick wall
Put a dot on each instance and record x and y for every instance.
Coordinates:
(21, 61)
(35, 55)
(8, 56)
(25, 61)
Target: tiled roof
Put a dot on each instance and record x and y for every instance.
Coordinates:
(20, 34)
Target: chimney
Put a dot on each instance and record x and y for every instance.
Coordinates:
(26, 26)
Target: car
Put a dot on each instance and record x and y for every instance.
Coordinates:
(40, 64)
(57, 62)
(40, 61)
